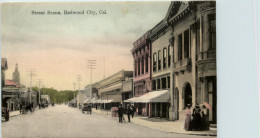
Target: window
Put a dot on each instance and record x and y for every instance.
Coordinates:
(146, 63)
(198, 38)
(154, 85)
(179, 47)
(169, 56)
(135, 68)
(186, 44)
(138, 66)
(169, 82)
(212, 23)
(158, 84)
(159, 60)
(142, 65)
(164, 57)
(163, 83)
(154, 61)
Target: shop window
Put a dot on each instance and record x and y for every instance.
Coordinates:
(186, 44)
(179, 47)
(164, 57)
(154, 62)
(159, 60)
(169, 56)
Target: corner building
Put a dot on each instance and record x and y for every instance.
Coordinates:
(193, 40)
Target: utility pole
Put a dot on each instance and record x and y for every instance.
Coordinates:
(39, 83)
(31, 74)
(79, 79)
(74, 84)
(91, 65)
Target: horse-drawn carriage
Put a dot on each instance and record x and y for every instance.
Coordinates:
(86, 108)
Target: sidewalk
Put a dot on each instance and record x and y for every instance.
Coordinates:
(14, 113)
(163, 125)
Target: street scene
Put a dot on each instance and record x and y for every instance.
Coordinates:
(109, 69)
(62, 121)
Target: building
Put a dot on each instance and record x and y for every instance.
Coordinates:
(142, 70)
(10, 95)
(110, 89)
(161, 66)
(127, 89)
(16, 75)
(193, 27)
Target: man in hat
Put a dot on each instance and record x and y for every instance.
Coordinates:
(120, 113)
(128, 111)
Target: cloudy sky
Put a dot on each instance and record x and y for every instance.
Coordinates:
(57, 47)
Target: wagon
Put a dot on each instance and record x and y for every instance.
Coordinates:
(86, 108)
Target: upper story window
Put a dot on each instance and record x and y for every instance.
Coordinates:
(186, 44)
(179, 47)
(212, 23)
(169, 56)
(159, 60)
(142, 65)
(154, 61)
(138, 66)
(146, 62)
(164, 57)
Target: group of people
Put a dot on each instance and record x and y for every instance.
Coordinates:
(197, 120)
(130, 110)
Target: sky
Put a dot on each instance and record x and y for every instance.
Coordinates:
(57, 47)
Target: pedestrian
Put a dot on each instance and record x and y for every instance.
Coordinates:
(196, 121)
(205, 119)
(120, 113)
(187, 118)
(129, 112)
(133, 110)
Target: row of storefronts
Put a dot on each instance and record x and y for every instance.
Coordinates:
(174, 65)
(178, 56)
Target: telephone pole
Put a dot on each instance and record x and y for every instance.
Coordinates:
(39, 83)
(91, 65)
(31, 74)
(79, 79)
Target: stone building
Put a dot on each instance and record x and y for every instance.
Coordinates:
(16, 75)
(194, 62)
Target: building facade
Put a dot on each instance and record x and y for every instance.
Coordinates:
(110, 89)
(161, 66)
(142, 70)
(194, 62)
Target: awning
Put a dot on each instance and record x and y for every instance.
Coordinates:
(162, 96)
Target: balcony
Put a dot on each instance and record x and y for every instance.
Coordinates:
(206, 63)
(183, 65)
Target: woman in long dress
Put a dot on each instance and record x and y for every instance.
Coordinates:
(205, 120)
(196, 121)
(187, 118)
